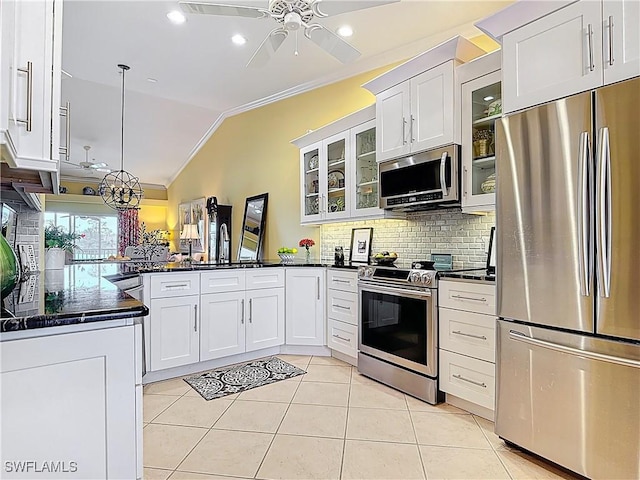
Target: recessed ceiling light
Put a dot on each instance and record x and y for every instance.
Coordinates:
(345, 31)
(487, 99)
(238, 39)
(176, 17)
(152, 80)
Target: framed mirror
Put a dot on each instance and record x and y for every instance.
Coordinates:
(253, 224)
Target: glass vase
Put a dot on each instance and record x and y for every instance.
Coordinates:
(307, 256)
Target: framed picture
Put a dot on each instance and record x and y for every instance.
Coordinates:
(360, 245)
(194, 212)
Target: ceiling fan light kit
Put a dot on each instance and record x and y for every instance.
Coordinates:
(294, 15)
(121, 190)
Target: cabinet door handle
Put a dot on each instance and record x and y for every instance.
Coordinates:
(461, 297)
(411, 128)
(480, 337)
(242, 313)
(464, 181)
(250, 311)
(66, 112)
(342, 307)
(610, 39)
(460, 377)
(590, 41)
(318, 286)
(195, 318)
(404, 127)
(342, 338)
(29, 72)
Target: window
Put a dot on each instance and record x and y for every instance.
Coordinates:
(100, 231)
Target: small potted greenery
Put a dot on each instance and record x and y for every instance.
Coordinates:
(57, 243)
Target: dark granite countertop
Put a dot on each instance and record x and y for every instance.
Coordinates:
(479, 274)
(79, 293)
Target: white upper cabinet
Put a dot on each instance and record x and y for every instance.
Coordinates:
(31, 51)
(417, 102)
(550, 52)
(481, 100)
(621, 39)
(339, 171)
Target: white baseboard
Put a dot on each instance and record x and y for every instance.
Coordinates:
(470, 407)
(183, 370)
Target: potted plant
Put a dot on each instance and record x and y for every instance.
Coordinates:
(57, 243)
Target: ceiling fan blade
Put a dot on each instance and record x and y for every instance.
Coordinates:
(222, 9)
(326, 8)
(268, 47)
(331, 43)
(96, 166)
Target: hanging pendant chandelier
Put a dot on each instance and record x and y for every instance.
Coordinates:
(120, 190)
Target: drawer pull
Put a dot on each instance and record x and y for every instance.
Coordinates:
(462, 297)
(342, 307)
(480, 337)
(177, 285)
(342, 338)
(460, 377)
(337, 280)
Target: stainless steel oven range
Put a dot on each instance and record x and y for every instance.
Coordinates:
(398, 337)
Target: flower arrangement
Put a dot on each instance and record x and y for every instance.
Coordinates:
(306, 243)
(56, 237)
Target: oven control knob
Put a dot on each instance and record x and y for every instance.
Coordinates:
(369, 272)
(414, 277)
(426, 278)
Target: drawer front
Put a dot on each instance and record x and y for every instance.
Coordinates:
(231, 280)
(345, 280)
(343, 306)
(175, 285)
(265, 278)
(468, 378)
(473, 297)
(343, 337)
(471, 334)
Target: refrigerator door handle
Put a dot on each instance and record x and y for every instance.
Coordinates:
(523, 337)
(585, 225)
(603, 202)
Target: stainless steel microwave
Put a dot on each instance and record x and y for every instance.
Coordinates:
(423, 181)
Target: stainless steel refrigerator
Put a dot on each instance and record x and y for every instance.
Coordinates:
(568, 277)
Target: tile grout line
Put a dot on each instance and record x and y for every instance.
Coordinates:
(415, 434)
(346, 425)
(255, 475)
(495, 451)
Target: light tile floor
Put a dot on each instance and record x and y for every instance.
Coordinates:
(331, 423)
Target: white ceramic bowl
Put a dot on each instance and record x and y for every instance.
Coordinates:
(286, 257)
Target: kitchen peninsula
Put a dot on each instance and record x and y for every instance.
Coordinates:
(71, 376)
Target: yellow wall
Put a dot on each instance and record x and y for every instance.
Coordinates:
(251, 154)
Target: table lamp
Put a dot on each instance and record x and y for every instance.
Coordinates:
(190, 232)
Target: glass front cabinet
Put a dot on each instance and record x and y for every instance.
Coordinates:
(481, 108)
(339, 173)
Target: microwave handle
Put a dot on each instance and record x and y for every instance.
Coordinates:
(443, 176)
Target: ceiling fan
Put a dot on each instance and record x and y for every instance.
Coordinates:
(91, 166)
(292, 15)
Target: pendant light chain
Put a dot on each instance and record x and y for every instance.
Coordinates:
(121, 191)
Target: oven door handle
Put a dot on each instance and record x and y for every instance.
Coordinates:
(394, 290)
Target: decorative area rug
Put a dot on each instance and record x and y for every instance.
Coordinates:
(238, 378)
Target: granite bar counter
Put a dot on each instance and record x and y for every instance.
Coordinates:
(77, 294)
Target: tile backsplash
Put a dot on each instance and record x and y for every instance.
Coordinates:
(464, 236)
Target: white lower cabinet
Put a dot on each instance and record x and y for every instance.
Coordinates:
(467, 324)
(305, 306)
(222, 330)
(174, 332)
(342, 311)
(71, 400)
(265, 312)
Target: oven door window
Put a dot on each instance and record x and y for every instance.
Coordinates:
(395, 325)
